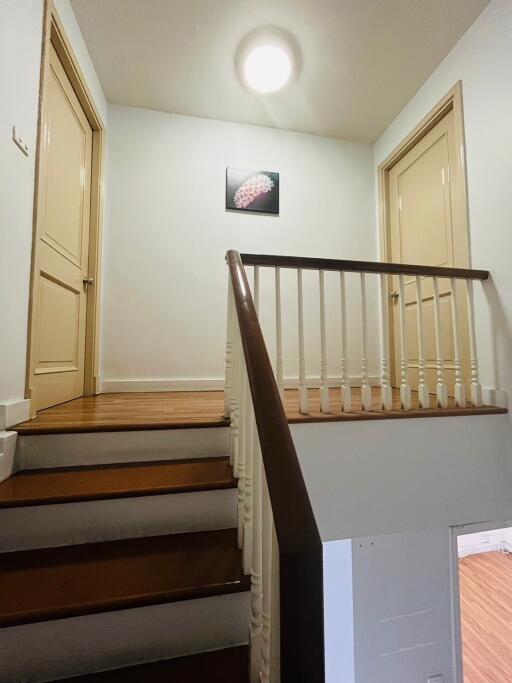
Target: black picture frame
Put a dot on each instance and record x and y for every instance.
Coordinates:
(252, 191)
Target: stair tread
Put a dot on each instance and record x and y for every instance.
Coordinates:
(54, 583)
(220, 666)
(73, 484)
(130, 411)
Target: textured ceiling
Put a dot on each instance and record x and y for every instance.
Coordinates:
(362, 60)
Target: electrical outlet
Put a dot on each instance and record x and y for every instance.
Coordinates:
(19, 140)
(438, 678)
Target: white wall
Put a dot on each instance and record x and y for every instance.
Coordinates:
(386, 608)
(339, 649)
(482, 60)
(165, 280)
(20, 55)
(395, 488)
(390, 476)
(403, 626)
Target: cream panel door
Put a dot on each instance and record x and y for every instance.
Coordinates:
(58, 351)
(426, 229)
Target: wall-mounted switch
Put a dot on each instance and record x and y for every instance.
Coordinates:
(438, 678)
(19, 140)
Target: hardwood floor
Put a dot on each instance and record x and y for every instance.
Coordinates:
(173, 410)
(486, 614)
(131, 411)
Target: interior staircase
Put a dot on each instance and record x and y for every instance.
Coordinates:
(119, 558)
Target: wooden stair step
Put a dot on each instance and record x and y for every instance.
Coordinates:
(73, 484)
(221, 666)
(54, 583)
(130, 411)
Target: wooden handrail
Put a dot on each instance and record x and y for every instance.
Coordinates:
(300, 545)
(361, 266)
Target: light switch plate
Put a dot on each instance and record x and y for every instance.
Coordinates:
(19, 140)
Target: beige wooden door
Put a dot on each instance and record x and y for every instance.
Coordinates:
(428, 227)
(61, 252)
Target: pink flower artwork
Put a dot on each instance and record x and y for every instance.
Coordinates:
(251, 189)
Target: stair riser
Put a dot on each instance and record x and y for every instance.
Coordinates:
(7, 451)
(49, 526)
(96, 448)
(47, 651)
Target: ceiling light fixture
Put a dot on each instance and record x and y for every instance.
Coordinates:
(267, 60)
(267, 68)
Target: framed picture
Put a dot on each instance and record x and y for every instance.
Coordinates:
(252, 191)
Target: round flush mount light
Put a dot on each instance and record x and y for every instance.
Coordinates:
(267, 68)
(267, 60)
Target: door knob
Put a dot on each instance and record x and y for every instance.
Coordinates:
(88, 281)
(394, 295)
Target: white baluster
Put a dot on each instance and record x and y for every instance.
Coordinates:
(346, 391)
(441, 389)
(256, 574)
(275, 614)
(279, 336)
(324, 388)
(423, 392)
(476, 389)
(242, 458)
(229, 351)
(266, 604)
(303, 390)
(386, 392)
(248, 488)
(366, 390)
(460, 389)
(405, 387)
(236, 378)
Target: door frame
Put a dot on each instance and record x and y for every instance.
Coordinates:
(54, 33)
(452, 101)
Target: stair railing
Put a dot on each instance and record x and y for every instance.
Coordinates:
(281, 544)
(282, 549)
(440, 292)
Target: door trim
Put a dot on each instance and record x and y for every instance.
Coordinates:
(452, 101)
(54, 33)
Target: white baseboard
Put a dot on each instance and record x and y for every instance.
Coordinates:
(495, 397)
(7, 450)
(109, 386)
(14, 412)
(485, 547)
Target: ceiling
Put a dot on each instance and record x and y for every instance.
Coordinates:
(362, 60)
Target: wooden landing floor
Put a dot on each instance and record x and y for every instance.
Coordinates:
(486, 614)
(173, 410)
